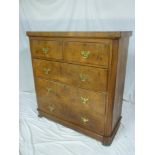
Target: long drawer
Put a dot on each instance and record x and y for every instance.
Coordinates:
(75, 75)
(77, 98)
(82, 107)
(80, 118)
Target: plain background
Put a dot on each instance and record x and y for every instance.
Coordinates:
(145, 83)
(73, 15)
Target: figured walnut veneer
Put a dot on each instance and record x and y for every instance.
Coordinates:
(79, 79)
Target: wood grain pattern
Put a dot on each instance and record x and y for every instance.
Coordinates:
(98, 53)
(120, 79)
(84, 93)
(68, 106)
(46, 49)
(106, 140)
(50, 91)
(111, 87)
(112, 35)
(72, 74)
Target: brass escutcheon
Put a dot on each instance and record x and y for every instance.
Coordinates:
(83, 100)
(51, 108)
(46, 70)
(84, 119)
(85, 54)
(49, 90)
(83, 77)
(45, 50)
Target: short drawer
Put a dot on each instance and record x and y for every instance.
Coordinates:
(77, 98)
(95, 53)
(51, 49)
(85, 77)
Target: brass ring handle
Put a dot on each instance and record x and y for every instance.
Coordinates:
(84, 119)
(83, 77)
(46, 70)
(45, 50)
(85, 54)
(51, 108)
(84, 100)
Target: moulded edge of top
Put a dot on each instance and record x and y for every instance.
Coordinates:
(112, 34)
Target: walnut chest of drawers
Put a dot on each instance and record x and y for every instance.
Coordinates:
(79, 79)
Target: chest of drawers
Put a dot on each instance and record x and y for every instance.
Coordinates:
(79, 79)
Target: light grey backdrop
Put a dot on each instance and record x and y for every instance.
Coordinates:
(75, 15)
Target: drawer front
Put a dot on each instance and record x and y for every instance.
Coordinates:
(46, 49)
(77, 98)
(76, 75)
(87, 53)
(90, 122)
(64, 102)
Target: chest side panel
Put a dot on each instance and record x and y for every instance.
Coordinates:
(120, 79)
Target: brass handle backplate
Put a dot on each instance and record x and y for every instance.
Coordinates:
(45, 50)
(46, 70)
(51, 108)
(49, 90)
(83, 77)
(85, 54)
(83, 100)
(84, 119)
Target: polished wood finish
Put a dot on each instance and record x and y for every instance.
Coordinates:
(106, 140)
(97, 52)
(80, 99)
(47, 48)
(120, 79)
(79, 79)
(111, 35)
(76, 75)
